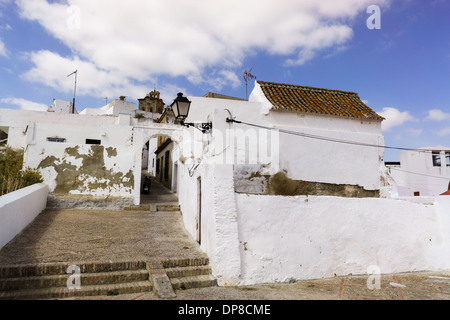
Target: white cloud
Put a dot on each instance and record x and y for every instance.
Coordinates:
(394, 117)
(437, 115)
(6, 27)
(443, 132)
(25, 104)
(414, 132)
(53, 70)
(3, 49)
(136, 41)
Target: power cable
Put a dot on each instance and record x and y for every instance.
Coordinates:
(306, 135)
(421, 174)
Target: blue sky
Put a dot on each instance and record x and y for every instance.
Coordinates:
(402, 70)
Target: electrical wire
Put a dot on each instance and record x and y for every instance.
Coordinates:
(306, 135)
(420, 174)
(341, 141)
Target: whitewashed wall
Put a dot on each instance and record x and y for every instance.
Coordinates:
(417, 173)
(19, 208)
(299, 237)
(115, 158)
(73, 167)
(317, 160)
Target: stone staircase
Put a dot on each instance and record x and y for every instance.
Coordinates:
(154, 207)
(187, 274)
(50, 280)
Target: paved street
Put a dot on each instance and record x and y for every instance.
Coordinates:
(103, 235)
(100, 235)
(86, 235)
(411, 286)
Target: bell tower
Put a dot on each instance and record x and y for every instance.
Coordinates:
(152, 102)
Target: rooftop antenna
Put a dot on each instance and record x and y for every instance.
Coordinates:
(247, 76)
(106, 100)
(74, 90)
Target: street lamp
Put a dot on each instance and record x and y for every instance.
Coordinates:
(180, 107)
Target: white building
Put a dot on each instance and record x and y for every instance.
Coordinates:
(305, 204)
(61, 106)
(421, 173)
(84, 159)
(114, 108)
(286, 186)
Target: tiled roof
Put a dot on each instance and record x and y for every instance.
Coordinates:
(317, 100)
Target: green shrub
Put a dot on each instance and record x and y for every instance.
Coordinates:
(12, 174)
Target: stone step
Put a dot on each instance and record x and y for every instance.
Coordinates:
(49, 281)
(178, 272)
(185, 262)
(193, 282)
(142, 207)
(60, 268)
(168, 207)
(154, 207)
(89, 290)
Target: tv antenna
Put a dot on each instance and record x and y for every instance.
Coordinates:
(247, 76)
(74, 90)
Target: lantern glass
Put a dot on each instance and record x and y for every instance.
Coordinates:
(180, 107)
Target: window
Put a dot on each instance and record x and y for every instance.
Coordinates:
(93, 141)
(436, 156)
(55, 139)
(447, 158)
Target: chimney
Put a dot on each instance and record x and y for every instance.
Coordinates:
(122, 98)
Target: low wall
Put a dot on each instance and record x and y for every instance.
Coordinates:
(294, 238)
(88, 202)
(19, 208)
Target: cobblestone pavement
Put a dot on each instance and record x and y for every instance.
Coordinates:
(405, 286)
(104, 235)
(100, 235)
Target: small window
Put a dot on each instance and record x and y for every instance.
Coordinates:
(93, 141)
(436, 156)
(447, 158)
(55, 139)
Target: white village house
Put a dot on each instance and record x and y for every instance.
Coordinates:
(421, 172)
(286, 186)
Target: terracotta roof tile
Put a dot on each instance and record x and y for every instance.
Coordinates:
(317, 100)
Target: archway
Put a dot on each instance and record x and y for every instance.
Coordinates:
(156, 155)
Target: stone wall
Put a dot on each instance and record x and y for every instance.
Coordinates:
(280, 184)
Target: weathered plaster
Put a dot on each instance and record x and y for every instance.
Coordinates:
(280, 184)
(92, 176)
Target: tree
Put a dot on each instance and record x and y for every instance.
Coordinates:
(12, 174)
